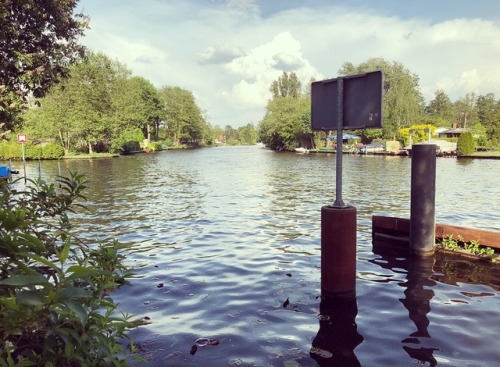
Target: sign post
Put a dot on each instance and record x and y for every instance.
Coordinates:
(351, 102)
(22, 139)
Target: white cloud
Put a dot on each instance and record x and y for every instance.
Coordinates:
(227, 53)
(220, 54)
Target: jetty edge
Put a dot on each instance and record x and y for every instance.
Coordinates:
(397, 230)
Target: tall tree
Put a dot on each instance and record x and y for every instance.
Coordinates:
(80, 108)
(185, 123)
(403, 101)
(286, 123)
(287, 85)
(488, 110)
(39, 43)
(465, 110)
(137, 103)
(441, 109)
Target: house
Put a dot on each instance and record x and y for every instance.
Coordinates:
(454, 132)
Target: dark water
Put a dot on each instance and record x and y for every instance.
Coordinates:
(225, 238)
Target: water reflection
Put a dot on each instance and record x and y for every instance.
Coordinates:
(338, 333)
(418, 295)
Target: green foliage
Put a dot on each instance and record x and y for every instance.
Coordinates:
(287, 85)
(472, 247)
(185, 122)
(418, 133)
(128, 141)
(39, 41)
(403, 101)
(465, 144)
(156, 145)
(13, 150)
(287, 121)
(54, 288)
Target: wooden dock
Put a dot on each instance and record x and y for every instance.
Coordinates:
(394, 229)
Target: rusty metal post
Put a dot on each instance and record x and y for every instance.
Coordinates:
(423, 199)
(338, 251)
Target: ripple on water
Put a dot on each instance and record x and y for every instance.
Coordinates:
(226, 245)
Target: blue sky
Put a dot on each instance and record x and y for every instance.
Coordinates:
(227, 52)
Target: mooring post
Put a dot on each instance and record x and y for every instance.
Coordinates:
(338, 251)
(423, 199)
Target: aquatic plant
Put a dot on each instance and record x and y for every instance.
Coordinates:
(473, 247)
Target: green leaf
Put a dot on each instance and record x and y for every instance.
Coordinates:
(24, 280)
(73, 292)
(63, 255)
(78, 310)
(30, 298)
(81, 272)
(44, 261)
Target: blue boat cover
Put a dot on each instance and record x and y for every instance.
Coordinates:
(4, 171)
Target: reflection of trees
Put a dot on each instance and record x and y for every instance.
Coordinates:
(338, 335)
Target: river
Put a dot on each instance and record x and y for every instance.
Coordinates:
(226, 246)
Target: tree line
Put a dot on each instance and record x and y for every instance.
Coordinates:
(69, 99)
(63, 94)
(287, 125)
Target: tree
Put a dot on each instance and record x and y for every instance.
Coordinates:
(287, 85)
(39, 43)
(247, 134)
(287, 122)
(465, 110)
(488, 110)
(184, 121)
(137, 103)
(403, 101)
(80, 108)
(465, 144)
(441, 108)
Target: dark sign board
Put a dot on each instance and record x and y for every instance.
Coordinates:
(362, 106)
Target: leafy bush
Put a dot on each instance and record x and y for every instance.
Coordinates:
(10, 150)
(54, 288)
(13, 150)
(465, 144)
(128, 141)
(156, 145)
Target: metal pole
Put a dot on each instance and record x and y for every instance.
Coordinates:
(340, 124)
(423, 199)
(24, 163)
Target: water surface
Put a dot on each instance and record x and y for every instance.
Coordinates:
(226, 245)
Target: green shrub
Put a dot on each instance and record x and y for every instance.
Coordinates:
(13, 150)
(128, 141)
(52, 151)
(10, 150)
(54, 288)
(156, 145)
(465, 144)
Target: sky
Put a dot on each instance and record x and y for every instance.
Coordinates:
(228, 52)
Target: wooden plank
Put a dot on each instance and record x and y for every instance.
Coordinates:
(383, 226)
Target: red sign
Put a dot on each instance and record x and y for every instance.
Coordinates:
(22, 138)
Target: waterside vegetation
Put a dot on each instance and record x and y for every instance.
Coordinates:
(55, 288)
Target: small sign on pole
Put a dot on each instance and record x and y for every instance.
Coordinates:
(22, 138)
